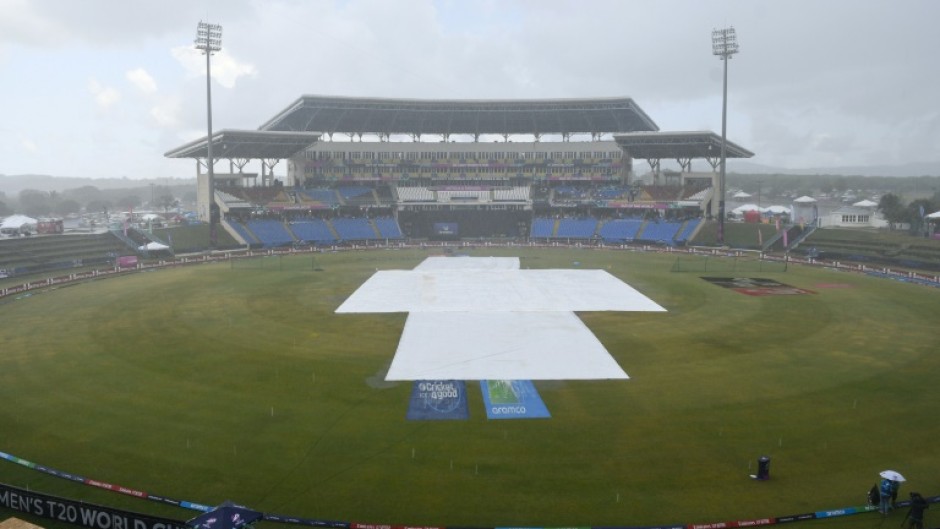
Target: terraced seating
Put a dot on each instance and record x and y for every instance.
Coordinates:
(36, 254)
(312, 230)
(514, 194)
(357, 196)
(243, 231)
(270, 232)
(688, 230)
(660, 232)
(326, 197)
(620, 230)
(576, 228)
(542, 228)
(354, 229)
(415, 194)
(388, 228)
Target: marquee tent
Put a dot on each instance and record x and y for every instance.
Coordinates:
(777, 210)
(16, 224)
(740, 210)
(153, 247)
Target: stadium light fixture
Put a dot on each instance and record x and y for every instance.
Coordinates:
(724, 45)
(209, 41)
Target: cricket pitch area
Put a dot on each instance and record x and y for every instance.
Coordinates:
(473, 318)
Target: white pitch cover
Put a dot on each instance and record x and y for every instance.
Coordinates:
(474, 318)
(500, 346)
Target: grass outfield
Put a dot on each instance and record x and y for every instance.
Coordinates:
(166, 382)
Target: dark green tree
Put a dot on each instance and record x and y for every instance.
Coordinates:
(893, 209)
(68, 207)
(166, 202)
(98, 206)
(916, 211)
(35, 203)
(129, 202)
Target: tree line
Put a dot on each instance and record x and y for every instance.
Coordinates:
(90, 199)
(913, 213)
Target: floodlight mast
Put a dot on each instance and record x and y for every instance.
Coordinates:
(724, 45)
(209, 41)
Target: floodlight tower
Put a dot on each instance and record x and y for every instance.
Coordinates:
(209, 40)
(724, 45)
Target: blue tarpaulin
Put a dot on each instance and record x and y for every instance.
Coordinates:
(225, 516)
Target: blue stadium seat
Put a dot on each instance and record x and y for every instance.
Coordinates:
(688, 230)
(660, 232)
(542, 228)
(388, 228)
(354, 192)
(313, 230)
(327, 196)
(576, 228)
(620, 230)
(354, 229)
(270, 232)
(243, 231)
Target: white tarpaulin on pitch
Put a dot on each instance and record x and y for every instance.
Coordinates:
(500, 346)
(495, 290)
(484, 318)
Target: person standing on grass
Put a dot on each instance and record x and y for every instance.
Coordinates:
(915, 516)
(889, 493)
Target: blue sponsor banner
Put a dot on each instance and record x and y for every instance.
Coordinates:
(438, 400)
(512, 399)
(836, 512)
(445, 228)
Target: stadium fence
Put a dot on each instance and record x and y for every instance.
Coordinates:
(702, 264)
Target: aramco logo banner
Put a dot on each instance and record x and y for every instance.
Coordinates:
(438, 400)
(512, 399)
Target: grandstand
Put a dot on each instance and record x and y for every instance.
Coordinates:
(460, 169)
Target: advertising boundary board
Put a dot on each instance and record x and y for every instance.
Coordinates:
(79, 513)
(106, 521)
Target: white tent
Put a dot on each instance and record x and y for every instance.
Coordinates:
(741, 194)
(153, 247)
(777, 210)
(934, 215)
(865, 204)
(746, 207)
(17, 221)
(805, 200)
(16, 224)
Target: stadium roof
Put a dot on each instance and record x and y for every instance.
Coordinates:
(353, 115)
(247, 144)
(661, 145)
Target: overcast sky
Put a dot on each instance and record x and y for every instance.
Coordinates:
(105, 87)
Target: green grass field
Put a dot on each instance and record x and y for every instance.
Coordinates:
(216, 382)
